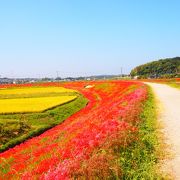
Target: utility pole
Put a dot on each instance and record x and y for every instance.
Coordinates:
(121, 71)
(57, 73)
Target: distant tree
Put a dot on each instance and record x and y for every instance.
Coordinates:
(46, 79)
(58, 79)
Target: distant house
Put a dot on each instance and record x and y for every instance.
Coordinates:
(135, 77)
(6, 81)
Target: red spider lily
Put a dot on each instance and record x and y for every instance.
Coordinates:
(108, 119)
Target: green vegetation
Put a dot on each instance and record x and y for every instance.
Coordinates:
(174, 83)
(139, 159)
(16, 128)
(163, 68)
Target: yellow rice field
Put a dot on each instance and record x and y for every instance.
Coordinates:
(34, 90)
(25, 105)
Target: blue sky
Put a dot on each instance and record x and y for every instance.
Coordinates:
(85, 37)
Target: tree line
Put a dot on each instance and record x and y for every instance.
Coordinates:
(163, 68)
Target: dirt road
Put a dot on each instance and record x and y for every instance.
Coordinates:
(169, 99)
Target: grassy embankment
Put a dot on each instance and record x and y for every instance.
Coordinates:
(175, 84)
(16, 128)
(139, 160)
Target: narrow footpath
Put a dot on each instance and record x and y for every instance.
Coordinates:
(169, 99)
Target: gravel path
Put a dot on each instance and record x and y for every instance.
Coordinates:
(170, 116)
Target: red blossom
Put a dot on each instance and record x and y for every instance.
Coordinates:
(104, 118)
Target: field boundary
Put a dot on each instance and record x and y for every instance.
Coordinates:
(72, 107)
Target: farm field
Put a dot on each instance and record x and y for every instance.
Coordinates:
(30, 91)
(28, 105)
(28, 111)
(95, 142)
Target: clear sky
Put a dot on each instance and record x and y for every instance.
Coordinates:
(85, 37)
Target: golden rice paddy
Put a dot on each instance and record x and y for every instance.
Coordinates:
(34, 90)
(25, 105)
(32, 103)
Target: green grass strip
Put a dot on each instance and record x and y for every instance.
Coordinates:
(37, 122)
(139, 160)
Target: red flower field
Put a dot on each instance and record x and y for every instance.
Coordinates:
(84, 144)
